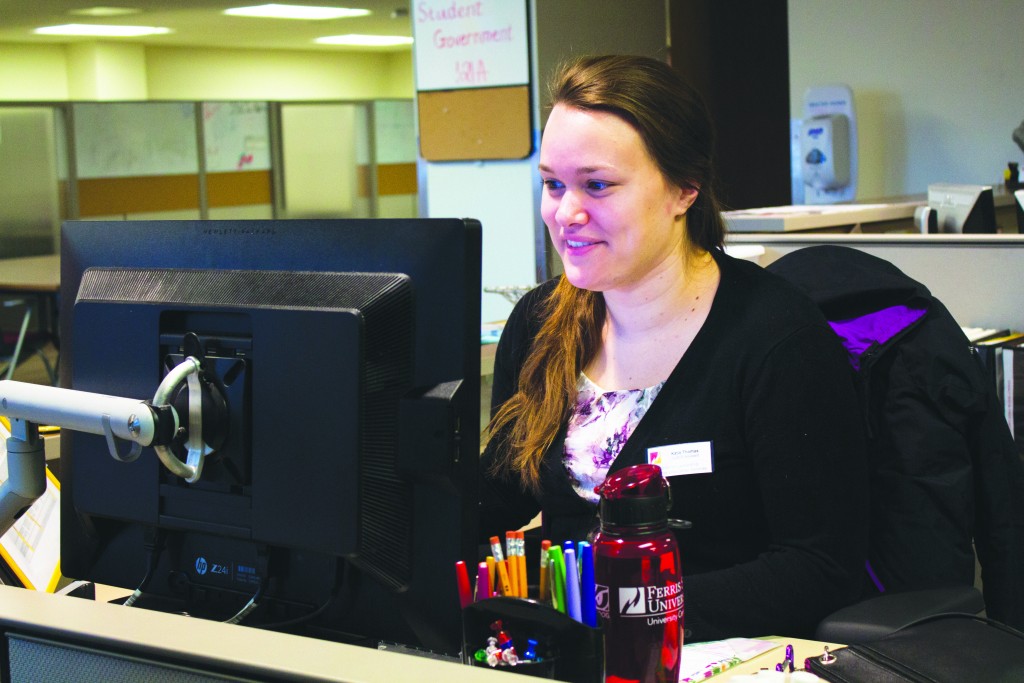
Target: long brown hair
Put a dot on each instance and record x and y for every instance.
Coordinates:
(673, 122)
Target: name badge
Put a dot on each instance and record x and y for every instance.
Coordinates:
(682, 458)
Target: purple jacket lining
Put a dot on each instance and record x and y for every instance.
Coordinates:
(860, 334)
(877, 327)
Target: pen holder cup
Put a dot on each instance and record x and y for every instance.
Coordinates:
(566, 649)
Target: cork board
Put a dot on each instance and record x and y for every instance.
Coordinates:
(476, 123)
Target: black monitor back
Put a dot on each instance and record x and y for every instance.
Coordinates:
(264, 508)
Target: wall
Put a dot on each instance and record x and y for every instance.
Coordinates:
(50, 72)
(937, 84)
(747, 96)
(33, 72)
(179, 73)
(106, 71)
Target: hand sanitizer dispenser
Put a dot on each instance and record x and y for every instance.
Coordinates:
(828, 145)
(825, 151)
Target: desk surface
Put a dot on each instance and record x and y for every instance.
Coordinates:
(159, 638)
(890, 214)
(818, 217)
(30, 274)
(247, 651)
(802, 649)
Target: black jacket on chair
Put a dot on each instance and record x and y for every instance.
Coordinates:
(946, 476)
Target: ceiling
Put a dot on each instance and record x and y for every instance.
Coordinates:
(200, 23)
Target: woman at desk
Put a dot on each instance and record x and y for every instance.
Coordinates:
(654, 339)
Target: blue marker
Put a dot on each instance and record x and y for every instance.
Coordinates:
(588, 593)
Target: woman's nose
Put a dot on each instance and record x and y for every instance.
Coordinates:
(571, 210)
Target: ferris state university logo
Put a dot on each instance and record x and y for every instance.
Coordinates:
(662, 603)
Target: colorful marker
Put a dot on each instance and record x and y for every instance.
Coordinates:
(492, 573)
(544, 589)
(572, 585)
(588, 589)
(557, 573)
(483, 581)
(462, 583)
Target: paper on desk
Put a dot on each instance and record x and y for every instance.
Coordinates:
(700, 661)
(32, 546)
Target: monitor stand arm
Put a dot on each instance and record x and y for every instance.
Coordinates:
(26, 472)
(138, 423)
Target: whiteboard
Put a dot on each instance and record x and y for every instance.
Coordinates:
(236, 136)
(126, 139)
(470, 44)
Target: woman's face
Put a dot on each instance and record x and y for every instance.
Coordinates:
(610, 211)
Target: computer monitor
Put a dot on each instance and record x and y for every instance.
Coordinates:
(963, 208)
(345, 356)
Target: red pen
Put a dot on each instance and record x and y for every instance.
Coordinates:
(545, 564)
(462, 581)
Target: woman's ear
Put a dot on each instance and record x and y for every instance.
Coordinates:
(687, 196)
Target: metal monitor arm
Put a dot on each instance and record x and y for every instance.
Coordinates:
(138, 423)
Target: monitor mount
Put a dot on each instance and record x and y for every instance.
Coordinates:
(184, 391)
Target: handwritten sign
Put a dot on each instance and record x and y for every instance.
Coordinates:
(470, 44)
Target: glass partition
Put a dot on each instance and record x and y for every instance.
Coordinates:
(32, 188)
(187, 160)
(136, 160)
(237, 160)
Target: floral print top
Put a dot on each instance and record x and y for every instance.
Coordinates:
(601, 423)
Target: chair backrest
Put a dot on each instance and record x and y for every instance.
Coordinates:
(946, 477)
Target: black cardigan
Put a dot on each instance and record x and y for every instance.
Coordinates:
(779, 530)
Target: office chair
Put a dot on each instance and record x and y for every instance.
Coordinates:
(16, 347)
(946, 478)
(873, 618)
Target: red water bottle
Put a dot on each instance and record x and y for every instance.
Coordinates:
(639, 583)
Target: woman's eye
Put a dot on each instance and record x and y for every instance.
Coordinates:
(597, 185)
(551, 184)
